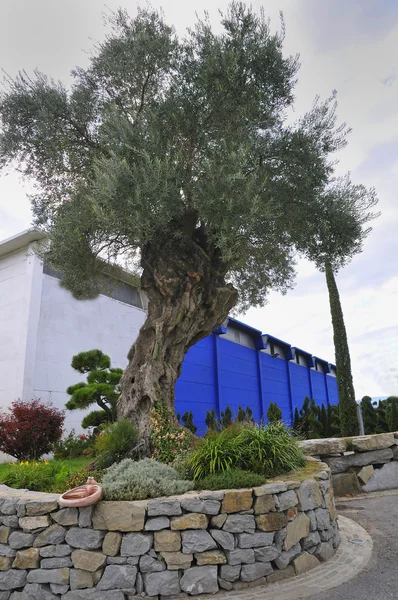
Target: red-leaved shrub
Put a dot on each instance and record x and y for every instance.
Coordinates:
(30, 429)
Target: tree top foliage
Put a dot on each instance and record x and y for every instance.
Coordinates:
(187, 137)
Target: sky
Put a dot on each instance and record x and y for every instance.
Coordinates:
(344, 45)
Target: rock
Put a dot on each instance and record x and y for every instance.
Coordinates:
(200, 580)
(214, 495)
(271, 521)
(55, 551)
(60, 576)
(136, 544)
(166, 583)
(212, 557)
(53, 535)
(230, 572)
(118, 577)
(296, 530)
(4, 534)
(166, 506)
(197, 541)
(189, 521)
(266, 554)
(19, 539)
(58, 589)
(86, 539)
(66, 516)
(139, 584)
(94, 594)
(7, 551)
(37, 508)
(55, 563)
(277, 576)
(240, 524)
(311, 540)
(9, 506)
(322, 518)
(111, 543)
(148, 564)
(286, 557)
(35, 591)
(255, 540)
(379, 441)
(32, 523)
(121, 560)
(157, 523)
(218, 521)
(291, 514)
(85, 516)
(119, 516)
(239, 556)
(280, 538)
(5, 563)
(224, 585)
(309, 495)
(237, 500)
(366, 473)
(270, 488)
(324, 447)
(286, 500)
(346, 483)
(177, 560)
(167, 541)
(223, 538)
(264, 504)
(255, 571)
(324, 551)
(87, 560)
(385, 478)
(198, 505)
(12, 579)
(343, 463)
(304, 563)
(27, 559)
(80, 580)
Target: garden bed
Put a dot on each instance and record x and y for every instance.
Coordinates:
(172, 547)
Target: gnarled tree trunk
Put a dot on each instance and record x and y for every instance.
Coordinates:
(188, 297)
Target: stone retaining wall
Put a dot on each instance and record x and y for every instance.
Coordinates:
(365, 463)
(164, 548)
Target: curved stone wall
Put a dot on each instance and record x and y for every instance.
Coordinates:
(167, 547)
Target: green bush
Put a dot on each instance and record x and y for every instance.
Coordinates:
(42, 476)
(215, 452)
(232, 479)
(115, 442)
(74, 445)
(130, 480)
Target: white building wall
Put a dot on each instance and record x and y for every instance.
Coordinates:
(67, 326)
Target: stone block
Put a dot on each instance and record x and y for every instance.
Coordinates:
(85, 539)
(240, 556)
(385, 478)
(27, 559)
(270, 488)
(286, 500)
(87, 560)
(271, 521)
(9, 506)
(346, 483)
(167, 541)
(168, 507)
(296, 530)
(343, 463)
(323, 447)
(379, 441)
(211, 557)
(240, 524)
(266, 554)
(19, 539)
(85, 516)
(322, 518)
(118, 577)
(10, 521)
(291, 514)
(197, 541)
(59, 576)
(280, 538)
(157, 523)
(136, 544)
(366, 473)
(121, 560)
(177, 560)
(35, 591)
(255, 540)
(80, 580)
(166, 583)
(34, 523)
(189, 521)
(199, 505)
(12, 579)
(111, 543)
(264, 504)
(230, 572)
(223, 538)
(36, 507)
(304, 563)
(66, 516)
(53, 535)
(7, 551)
(5, 563)
(55, 551)
(279, 575)
(58, 589)
(255, 571)
(286, 557)
(149, 564)
(218, 521)
(214, 495)
(309, 495)
(4, 534)
(119, 516)
(237, 500)
(326, 534)
(224, 585)
(311, 540)
(55, 563)
(324, 551)
(200, 580)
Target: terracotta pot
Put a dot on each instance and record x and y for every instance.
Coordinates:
(83, 495)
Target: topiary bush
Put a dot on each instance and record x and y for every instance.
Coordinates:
(138, 480)
(231, 479)
(115, 442)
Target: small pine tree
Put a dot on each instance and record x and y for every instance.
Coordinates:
(297, 421)
(249, 416)
(187, 419)
(314, 424)
(274, 413)
(241, 416)
(394, 414)
(211, 421)
(333, 421)
(382, 423)
(226, 418)
(323, 419)
(369, 415)
(304, 417)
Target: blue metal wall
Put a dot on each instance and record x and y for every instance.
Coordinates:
(218, 372)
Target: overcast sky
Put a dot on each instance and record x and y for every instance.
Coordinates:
(348, 45)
